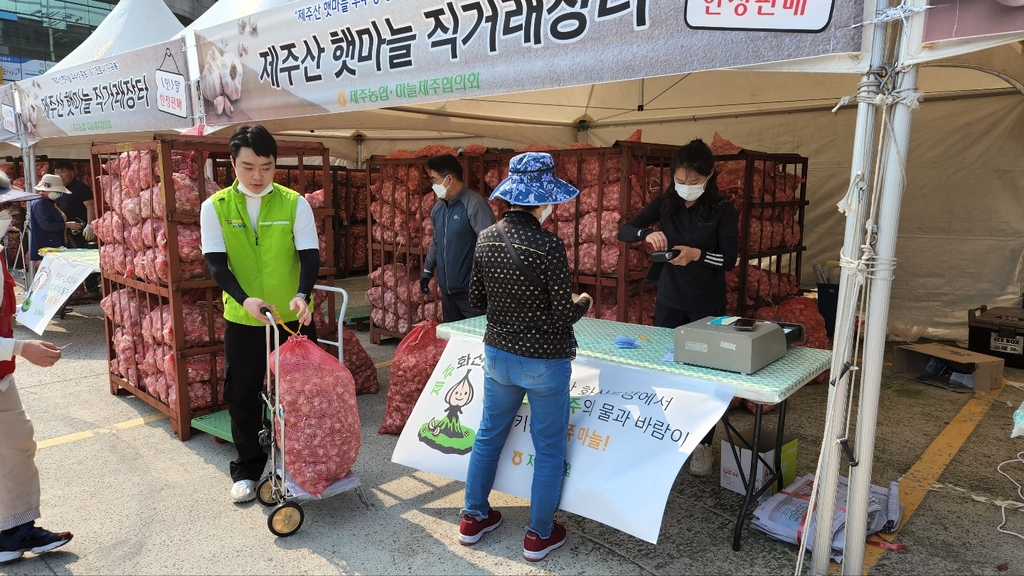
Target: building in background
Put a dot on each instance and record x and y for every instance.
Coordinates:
(36, 34)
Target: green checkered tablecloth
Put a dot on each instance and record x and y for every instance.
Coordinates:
(773, 383)
(87, 256)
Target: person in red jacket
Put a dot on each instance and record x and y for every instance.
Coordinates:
(19, 477)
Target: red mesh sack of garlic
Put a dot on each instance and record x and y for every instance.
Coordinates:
(415, 359)
(321, 418)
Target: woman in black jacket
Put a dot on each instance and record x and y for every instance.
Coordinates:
(702, 226)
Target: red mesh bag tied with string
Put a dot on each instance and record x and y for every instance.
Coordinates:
(415, 359)
(320, 415)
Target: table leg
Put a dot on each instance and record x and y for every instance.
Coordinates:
(778, 447)
(752, 481)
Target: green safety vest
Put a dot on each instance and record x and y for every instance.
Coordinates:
(265, 263)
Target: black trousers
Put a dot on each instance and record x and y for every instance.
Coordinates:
(245, 365)
(456, 307)
(668, 317)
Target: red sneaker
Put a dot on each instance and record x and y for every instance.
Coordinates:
(536, 548)
(471, 529)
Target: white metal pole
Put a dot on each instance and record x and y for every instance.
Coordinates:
(861, 170)
(29, 167)
(896, 145)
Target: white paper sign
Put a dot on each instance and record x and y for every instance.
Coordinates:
(54, 282)
(776, 15)
(630, 431)
(170, 92)
(8, 118)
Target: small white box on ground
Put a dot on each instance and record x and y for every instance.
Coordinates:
(730, 471)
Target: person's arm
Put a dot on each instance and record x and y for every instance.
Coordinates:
(481, 217)
(217, 262)
(477, 288)
(638, 228)
(87, 199)
(307, 244)
(431, 260)
(728, 243)
(563, 310)
(38, 352)
(90, 210)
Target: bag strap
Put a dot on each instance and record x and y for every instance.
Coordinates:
(517, 261)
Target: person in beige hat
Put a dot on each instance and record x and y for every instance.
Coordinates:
(47, 223)
(19, 477)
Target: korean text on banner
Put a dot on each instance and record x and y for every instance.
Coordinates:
(629, 434)
(141, 90)
(304, 59)
(54, 282)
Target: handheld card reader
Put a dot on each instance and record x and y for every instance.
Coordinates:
(734, 344)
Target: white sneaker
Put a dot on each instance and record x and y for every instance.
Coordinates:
(243, 491)
(700, 460)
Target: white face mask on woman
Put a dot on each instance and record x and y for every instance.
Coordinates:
(546, 212)
(690, 192)
(53, 195)
(5, 221)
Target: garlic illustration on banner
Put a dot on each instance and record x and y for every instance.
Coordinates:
(32, 108)
(221, 80)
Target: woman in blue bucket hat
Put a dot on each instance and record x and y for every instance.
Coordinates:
(521, 278)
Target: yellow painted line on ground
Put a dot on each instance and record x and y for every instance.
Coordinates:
(917, 482)
(383, 364)
(90, 433)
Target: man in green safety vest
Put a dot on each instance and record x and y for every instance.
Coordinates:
(260, 243)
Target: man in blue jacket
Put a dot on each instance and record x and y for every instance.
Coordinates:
(460, 216)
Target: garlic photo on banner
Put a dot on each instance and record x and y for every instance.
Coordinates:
(221, 80)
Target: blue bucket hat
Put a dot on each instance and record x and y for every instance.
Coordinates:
(531, 181)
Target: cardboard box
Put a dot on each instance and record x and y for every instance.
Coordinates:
(730, 471)
(922, 362)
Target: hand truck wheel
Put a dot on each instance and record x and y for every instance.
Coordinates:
(265, 492)
(286, 519)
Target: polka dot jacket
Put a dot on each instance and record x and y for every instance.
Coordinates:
(523, 318)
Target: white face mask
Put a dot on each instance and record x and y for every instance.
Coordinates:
(439, 189)
(5, 221)
(690, 192)
(251, 194)
(546, 212)
(53, 195)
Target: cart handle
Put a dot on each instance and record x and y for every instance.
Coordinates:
(341, 318)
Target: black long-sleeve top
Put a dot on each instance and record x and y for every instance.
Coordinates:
(700, 285)
(523, 318)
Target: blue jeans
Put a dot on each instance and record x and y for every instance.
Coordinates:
(507, 378)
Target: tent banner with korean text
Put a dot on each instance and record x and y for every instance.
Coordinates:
(53, 283)
(630, 431)
(141, 90)
(308, 58)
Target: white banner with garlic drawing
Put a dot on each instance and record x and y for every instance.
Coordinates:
(308, 58)
(630, 431)
(142, 90)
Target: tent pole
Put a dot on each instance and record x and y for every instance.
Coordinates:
(861, 170)
(29, 166)
(896, 146)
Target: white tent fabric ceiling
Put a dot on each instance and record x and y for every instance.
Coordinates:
(963, 144)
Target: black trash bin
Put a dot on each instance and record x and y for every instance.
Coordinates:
(828, 304)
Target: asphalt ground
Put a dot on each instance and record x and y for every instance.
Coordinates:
(139, 501)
